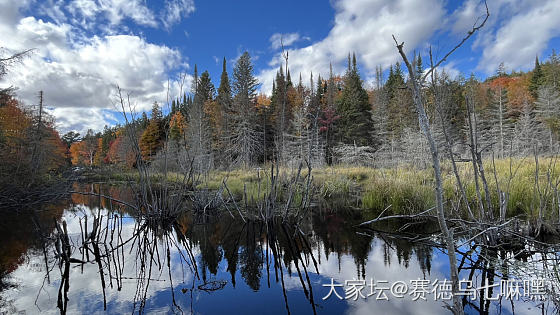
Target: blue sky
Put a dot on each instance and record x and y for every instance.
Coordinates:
(84, 48)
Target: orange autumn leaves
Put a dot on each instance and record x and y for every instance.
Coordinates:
(517, 90)
(26, 145)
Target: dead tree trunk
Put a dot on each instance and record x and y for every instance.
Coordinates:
(418, 99)
(457, 307)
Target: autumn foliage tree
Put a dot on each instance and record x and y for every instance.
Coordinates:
(23, 137)
(151, 140)
(177, 126)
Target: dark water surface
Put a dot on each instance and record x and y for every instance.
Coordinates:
(222, 265)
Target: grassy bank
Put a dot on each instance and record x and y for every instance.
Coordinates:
(408, 190)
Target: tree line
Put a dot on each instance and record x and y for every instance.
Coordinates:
(334, 120)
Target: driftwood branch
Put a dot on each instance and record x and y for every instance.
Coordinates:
(379, 218)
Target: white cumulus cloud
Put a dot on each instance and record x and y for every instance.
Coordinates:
(364, 27)
(78, 78)
(524, 34)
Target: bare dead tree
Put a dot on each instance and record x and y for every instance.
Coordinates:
(418, 97)
(285, 55)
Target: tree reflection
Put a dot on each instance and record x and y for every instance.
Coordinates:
(185, 256)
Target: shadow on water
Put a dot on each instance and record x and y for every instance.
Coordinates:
(91, 255)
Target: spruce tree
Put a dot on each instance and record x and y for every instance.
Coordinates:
(329, 116)
(536, 79)
(224, 100)
(245, 138)
(419, 68)
(144, 121)
(224, 97)
(355, 125)
(399, 102)
(283, 98)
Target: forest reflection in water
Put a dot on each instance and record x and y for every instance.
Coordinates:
(115, 262)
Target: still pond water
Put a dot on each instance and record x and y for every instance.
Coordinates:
(222, 265)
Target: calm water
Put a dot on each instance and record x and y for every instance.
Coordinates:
(222, 265)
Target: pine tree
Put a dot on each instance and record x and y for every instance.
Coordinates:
(221, 116)
(183, 105)
(224, 98)
(315, 152)
(282, 107)
(536, 79)
(399, 103)
(245, 137)
(205, 90)
(419, 68)
(356, 124)
(144, 121)
(395, 82)
(380, 111)
(329, 116)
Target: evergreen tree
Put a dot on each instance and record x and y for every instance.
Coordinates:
(536, 79)
(173, 107)
(205, 90)
(329, 115)
(379, 100)
(144, 121)
(315, 153)
(395, 81)
(283, 98)
(183, 105)
(224, 102)
(355, 125)
(419, 68)
(399, 103)
(224, 98)
(265, 113)
(245, 137)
